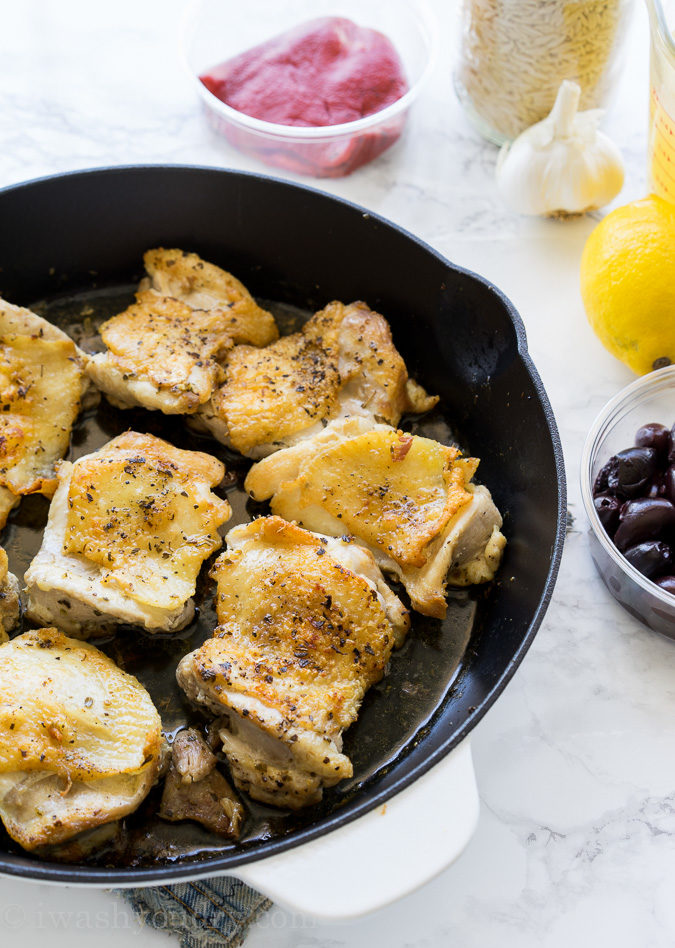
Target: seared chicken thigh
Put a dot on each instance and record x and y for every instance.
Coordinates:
(9, 598)
(272, 394)
(161, 354)
(79, 739)
(373, 376)
(306, 625)
(343, 362)
(204, 286)
(42, 386)
(129, 528)
(409, 500)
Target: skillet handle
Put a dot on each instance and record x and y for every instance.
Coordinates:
(381, 856)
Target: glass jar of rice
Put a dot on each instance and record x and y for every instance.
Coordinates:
(515, 53)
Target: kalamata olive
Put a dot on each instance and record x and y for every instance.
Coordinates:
(645, 518)
(669, 484)
(635, 468)
(654, 435)
(656, 487)
(667, 583)
(602, 476)
(607, 507)
(634, 497)
(651, 558)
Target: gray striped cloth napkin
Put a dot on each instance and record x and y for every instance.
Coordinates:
(210, 913)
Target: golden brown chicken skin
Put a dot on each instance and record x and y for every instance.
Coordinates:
(42, 388)
(128, 530)
(161, 354)
(204, 286)
(372, 372)
(306, 626)
(409, 500)
(270, 394)
(79, 739)
(342, 363)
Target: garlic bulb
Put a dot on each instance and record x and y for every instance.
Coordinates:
(563, 164)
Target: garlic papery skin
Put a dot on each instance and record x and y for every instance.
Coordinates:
(563, 164)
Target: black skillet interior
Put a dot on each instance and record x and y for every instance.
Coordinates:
(75, 243)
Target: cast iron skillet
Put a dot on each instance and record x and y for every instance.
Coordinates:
(72, 245)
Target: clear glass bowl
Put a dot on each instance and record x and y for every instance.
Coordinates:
(650, 398)
(326, 151)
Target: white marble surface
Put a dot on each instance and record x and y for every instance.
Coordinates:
(575, 763)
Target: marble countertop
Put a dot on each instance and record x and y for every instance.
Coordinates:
(575, 762)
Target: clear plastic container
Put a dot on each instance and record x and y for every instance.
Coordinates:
(325, 151)
(515, 53)
(650, 398)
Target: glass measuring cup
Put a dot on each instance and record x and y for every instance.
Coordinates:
(661, 140)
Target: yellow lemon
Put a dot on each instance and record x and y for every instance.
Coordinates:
(628, 283)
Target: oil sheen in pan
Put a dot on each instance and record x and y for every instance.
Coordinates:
(419, 678)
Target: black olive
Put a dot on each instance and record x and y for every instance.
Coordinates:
(600, 484)
(645, 518)
(654, 435)
(656, 487)
(669, 484)
(671, 449)
(651, 558)
(667, 583)
(635, 468)
(608, 507)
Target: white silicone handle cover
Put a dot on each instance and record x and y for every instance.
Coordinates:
(377, 858)
(381, 856)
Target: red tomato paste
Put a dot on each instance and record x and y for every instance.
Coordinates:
(324, 72)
